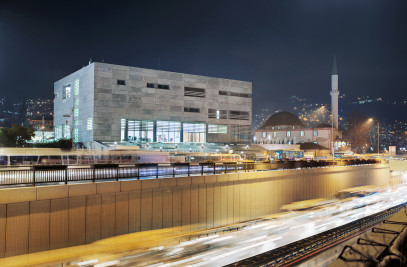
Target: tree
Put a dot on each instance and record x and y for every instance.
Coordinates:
(16, 136)
(357, 132)
(22, 119)
(61, 143)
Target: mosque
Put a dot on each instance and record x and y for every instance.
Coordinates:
(285, 128)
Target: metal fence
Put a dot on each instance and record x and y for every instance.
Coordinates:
(49, 174)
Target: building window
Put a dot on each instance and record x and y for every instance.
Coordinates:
(274, 134)
(139, 131)
(288, 133)
(121, 82)
(194, 92)
(315, 133)
(234, 94)
(163, 86)
(158, 86)
(302, 133)
(76, 134)
(58, 132)
(239, 115)
(240, 95)
(240, 132)
(195, 110)
(214, 128)
(264, 134)
(66, 91)
(123, 129)
(223, 93)
(89, 125)
(66, 132)
(194, 132)
(168, 131)
(217, 114)
(76, 87)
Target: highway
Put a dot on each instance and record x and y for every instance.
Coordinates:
(223, 249)
(215, 248)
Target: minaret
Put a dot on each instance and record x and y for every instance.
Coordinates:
(334, 95)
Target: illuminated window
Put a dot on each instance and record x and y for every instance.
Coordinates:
(66, 131)
(288, 133)
(58, 132)
(214, 128)
(315, 133)
(194, 132)
(139, 131)
(217, 114)
(76, 87)
(264, 134)
(274, 134)
(89, 125)
(123, 129)
(76, 135)
(302, 133)
(66, 91)
(168, 131)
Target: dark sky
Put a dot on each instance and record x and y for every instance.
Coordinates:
(284, 47)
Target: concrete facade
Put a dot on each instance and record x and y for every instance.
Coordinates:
(50, 217)
(103, 96)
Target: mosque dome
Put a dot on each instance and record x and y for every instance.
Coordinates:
(282, 118)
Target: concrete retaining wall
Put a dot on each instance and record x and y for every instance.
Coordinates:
(50, 217)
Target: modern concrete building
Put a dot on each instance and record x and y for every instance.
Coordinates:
(111, 103)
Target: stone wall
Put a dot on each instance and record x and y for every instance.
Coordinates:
(49, 217)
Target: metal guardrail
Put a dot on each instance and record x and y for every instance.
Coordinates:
(45, 174)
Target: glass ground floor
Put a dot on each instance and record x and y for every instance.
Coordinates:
(143, 131)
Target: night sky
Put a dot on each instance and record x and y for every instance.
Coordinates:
(284, 47)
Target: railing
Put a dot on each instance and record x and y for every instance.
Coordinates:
(48, 174)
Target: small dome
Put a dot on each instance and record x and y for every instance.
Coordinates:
(282, 118)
